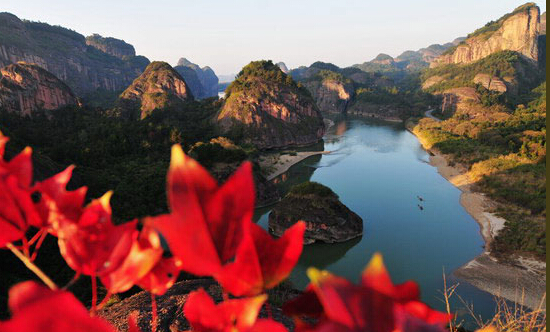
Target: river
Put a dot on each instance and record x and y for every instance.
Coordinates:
(380, 171)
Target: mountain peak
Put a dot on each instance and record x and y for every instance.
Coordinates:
(158, 87)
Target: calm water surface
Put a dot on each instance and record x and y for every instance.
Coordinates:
(379, 170)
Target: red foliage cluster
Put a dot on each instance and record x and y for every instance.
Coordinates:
(209, 232)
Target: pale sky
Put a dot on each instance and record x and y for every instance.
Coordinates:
(226, 35)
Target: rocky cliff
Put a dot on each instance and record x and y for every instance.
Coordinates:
(332, 95)
(327, 219)
(203, 82)
(158, 87)
(517, 31)
(267, 108)
(112, 46)
(25, 88)
(66, 54)
(330, 88)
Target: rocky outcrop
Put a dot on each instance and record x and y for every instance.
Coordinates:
(327, 219)
(112, 46)
(490, 82)
(517, 31)
(203, 82)
(457, 99)
(65, 53)
(170, 307)
(268, 109)
(25, 88)
(283, 67)
(331, 95)
(159, 87)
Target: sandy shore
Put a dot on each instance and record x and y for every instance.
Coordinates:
(523, 280)
(280, 163)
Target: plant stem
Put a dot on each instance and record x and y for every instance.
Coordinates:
(38, 244)
(104, 301)
(30, 265)
(73, 280)
(155, 314)
(25, 247)
(94, 293)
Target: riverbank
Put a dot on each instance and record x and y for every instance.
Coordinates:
(376, 116)
(279, 163)
(521, 280)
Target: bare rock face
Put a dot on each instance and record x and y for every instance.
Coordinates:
(457, 99)
(327, 219)
(25, 88)
(517, 31)
(112, 46)
(159, 87)
(268, 109)
(331, 96)
(491, 82)
(66, 54)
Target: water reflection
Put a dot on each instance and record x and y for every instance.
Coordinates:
(321, 255)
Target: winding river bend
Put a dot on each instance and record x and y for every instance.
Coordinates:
(380, 171)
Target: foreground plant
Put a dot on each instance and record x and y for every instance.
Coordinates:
(374, 305)
(210, 232)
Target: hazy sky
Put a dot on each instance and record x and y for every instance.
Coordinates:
(226, 35)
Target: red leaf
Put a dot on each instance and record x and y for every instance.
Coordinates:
(307, 304)
(355, 307)
(132, 322)
(262, 262)
(239, 315)
(376, 305)
(94, 246)
(263, 325)
(206, 221)
(17, 211)
(57, 205)
(36, 308)
(21, 167)
(143, 256)
(161, 277)
(3, 141)
(377, 277)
